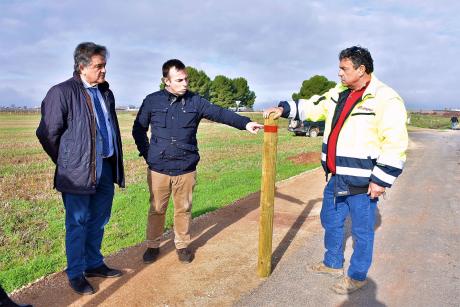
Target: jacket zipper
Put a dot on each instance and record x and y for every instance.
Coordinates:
(93, 138)
(332, 128)
(112, 123)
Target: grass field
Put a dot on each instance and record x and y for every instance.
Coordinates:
(431, 121)
(32, 215)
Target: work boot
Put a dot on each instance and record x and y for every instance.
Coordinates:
(151, 254)
(348, 285)
(321, 268)
(185, 255)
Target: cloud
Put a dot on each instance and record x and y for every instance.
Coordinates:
(275, 44)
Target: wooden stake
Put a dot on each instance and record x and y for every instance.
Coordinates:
(267, 196)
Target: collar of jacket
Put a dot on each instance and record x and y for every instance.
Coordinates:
(173, 98)
(103, 87)
(372, 87)
(370, 91)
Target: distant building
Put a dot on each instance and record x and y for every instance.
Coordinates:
(129, 108)
(241, 109)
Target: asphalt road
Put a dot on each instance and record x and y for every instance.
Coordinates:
(417, 244)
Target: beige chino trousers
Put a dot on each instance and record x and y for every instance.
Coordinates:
(161, 187)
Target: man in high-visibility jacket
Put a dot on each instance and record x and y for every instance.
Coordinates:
(363, 150)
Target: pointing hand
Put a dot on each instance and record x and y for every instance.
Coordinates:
(254, 127)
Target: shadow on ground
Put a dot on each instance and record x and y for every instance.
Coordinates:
(366, 296)
(279, 251)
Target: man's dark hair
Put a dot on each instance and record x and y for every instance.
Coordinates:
(83, 53)
(358, 56)
(172, 63)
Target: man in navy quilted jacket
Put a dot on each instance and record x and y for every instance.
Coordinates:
(79, 131)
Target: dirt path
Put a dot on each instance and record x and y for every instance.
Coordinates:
(224, 269)
(416, 258)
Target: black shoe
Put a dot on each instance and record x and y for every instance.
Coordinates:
(10, 303)
(185, 255)
(103, 271)
(151, 254)
(5, 300)
(81, 285)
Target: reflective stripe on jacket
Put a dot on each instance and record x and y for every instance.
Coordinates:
(372, 143)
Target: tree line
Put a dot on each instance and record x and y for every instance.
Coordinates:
(222, 91)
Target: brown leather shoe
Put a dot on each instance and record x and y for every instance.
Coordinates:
(321, 268)
(348, 285)
(185, 255)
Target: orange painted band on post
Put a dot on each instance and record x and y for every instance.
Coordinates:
(273, 129)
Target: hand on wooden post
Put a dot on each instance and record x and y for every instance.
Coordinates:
(277, 112)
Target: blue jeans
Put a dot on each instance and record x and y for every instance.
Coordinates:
(85, 218)
(333, 215)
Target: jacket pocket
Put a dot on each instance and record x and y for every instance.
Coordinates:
(363, 113)
(354, 171)
(187, 148)
(189, 118)
(356, 181)
(158, 117)
(65, 150)
(179, 151)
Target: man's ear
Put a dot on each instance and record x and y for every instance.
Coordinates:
(81, 67)
(166, 81)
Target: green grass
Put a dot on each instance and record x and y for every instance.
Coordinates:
(32, 215)
(431, 121)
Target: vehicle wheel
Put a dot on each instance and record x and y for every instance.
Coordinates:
(314, 132)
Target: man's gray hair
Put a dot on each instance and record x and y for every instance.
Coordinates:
(84, 51)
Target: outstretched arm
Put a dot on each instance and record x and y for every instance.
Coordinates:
(218, 114)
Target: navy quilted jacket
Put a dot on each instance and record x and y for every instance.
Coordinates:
(67, 132)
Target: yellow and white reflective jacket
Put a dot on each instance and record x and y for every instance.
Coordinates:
(373, 140)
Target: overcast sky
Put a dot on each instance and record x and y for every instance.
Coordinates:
(275, 45)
